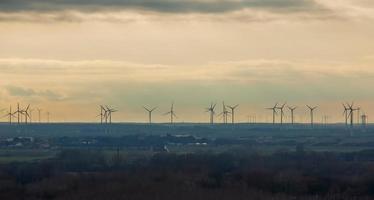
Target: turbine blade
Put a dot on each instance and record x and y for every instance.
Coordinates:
(345, 107)
(107, 108)
(146, 109)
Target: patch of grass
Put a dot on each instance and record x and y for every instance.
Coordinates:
(24, 155)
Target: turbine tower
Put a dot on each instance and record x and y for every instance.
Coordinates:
(292, 110)
(281, 108)
(232, 112)
(345, 113)
(30, 117)
(224, 113)
(364, 119)
(211, 112)
(311, 113)
(358, 114)
(39, 114)
(172, 113)
(48, 114)
(274, 109)
(150, 113)
(18, 112)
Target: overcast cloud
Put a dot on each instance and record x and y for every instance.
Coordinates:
(174, 6)
(218, 10)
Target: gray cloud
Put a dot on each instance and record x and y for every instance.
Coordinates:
(166, 6)
(19, 91)
(28, 92)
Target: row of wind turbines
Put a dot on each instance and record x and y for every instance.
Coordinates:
(24, 115)
(106, 113)
(225, 112)
(349, 112)
(229, 111)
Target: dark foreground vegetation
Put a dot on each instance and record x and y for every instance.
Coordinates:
(92, 174)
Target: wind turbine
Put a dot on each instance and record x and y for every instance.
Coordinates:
(10, 114)
(358, 114)
(232, 112)
(30, 117)
(106, 114)
(18, 112)
(211, 112)
(39, 114)
(292, 109)
(26, 113)
(364, 119)
(224, 113)
(282, 113)
(110, 111)
(48, 114)
(274, 109)
(172, 113)
(311, 113)
(345, 113)
(150, 113)
(103, 114)
(351, 112)
(325, 119)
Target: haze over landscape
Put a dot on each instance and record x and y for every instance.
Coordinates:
(71, 56)
(186, 99)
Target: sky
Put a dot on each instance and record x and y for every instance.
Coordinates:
(67, 57)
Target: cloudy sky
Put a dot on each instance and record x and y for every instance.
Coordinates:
(69, 56)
